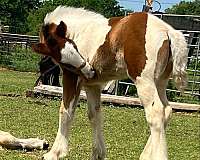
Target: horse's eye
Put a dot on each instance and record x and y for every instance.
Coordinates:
(51, 41)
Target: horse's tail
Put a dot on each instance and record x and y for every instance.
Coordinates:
(179, 56)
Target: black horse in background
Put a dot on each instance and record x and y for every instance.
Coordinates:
(49, 72)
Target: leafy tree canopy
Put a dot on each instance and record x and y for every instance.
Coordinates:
(26, 16)
(192, 7)
(15, 12)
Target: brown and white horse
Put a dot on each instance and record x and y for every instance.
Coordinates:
(139, 46)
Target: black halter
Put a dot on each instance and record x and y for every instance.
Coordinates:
(73, 69)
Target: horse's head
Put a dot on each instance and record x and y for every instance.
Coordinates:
(53, 42)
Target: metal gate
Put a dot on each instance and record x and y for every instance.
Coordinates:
(192, 92)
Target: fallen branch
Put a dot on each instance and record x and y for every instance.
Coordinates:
(10, 142)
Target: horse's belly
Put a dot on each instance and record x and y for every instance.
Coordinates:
(105, 74)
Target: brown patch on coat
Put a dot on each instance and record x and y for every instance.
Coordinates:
(48, 30)
(104, 61)
(52, 40)
(50, 44)
(69, 87)
(114, 20)
(164, 68)
(127, 35)
(134, 43)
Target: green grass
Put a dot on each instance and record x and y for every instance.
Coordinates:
(16, 82)
(125, 128)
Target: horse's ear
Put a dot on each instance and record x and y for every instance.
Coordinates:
(61, 29)
(41, 48)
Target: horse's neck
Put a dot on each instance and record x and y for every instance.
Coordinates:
(89, 36)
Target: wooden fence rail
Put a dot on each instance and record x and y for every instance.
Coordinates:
(57, 91)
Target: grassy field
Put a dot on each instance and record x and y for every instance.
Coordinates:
(125, 128)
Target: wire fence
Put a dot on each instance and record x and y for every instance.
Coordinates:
(18, 46)
(16, 53)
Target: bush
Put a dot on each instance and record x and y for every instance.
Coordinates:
(20, 59)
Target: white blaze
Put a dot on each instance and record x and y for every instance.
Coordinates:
(69, 55)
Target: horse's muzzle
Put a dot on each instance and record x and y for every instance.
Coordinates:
(88, 71)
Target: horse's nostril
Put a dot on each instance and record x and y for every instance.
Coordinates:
(92, 74)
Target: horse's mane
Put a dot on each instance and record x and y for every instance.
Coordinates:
(66, 13)
(81, 24)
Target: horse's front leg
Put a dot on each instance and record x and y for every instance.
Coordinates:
(71, 91)
(94, 114)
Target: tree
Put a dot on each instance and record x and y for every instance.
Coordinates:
(14, 13)
(35, 18)
(184, 7)
(106, 7)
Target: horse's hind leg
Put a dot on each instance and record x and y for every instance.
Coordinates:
(94, 115)
(163, 78)
(161, 85)
(152, 92)
(156, 148)
(71, 91)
